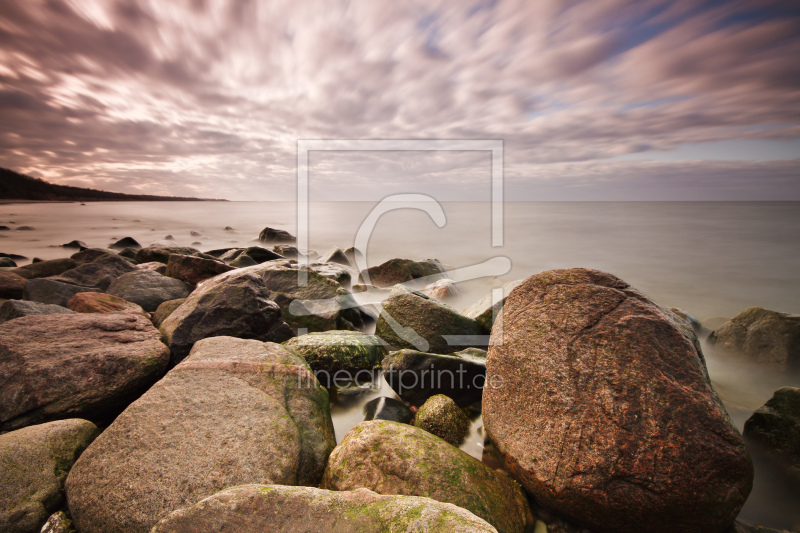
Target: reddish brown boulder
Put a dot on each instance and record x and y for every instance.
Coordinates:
(193, 269)
(11, 285)
(100, 302)
(600, 402)
(396, 271)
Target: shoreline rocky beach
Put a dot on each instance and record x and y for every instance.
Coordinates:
(165, 388)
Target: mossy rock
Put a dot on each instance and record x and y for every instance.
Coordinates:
(441, 416)
(334, 351)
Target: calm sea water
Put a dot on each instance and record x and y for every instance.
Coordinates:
(710, 259)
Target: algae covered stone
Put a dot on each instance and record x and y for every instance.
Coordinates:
(394, 458)
(278, 508)
(775, 426)
(441, 416)
(334, 351)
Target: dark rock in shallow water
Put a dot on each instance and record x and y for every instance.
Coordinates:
(7, 262)
(396, 271)
(385, 408)
(100, 273)
(286, 250)
(77, 365)
(571, 351)
(25, 228)
(169, 238)
(766, 337)
(12, 309)
(228, 228)
(75, 244)
(396, 458)
(4, 228)
(148, 288)
(11, 285)
(441, 416)
(234, 412)
(43, 269)
(775, 427)
(416, 376)
(126, 242)
(335, 255)
(166, 309)
(192, 269)
(36, 460)
(13, 256)
(272, 235)
(48, 291)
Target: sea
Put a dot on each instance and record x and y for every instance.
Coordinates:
(710, 259)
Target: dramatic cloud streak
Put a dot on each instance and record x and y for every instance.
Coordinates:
(209, 98)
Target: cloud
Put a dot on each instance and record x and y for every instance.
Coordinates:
(209, 97)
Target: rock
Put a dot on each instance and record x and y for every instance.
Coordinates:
(261, 508)
(441, 416)
(25, 228)
(385, 408)
(234, 412)
(775, 427)
(148, 288)
(484, 312)
(129, 253)
(243, 257)
(216, 254)
(192, 269)
(7, 262)
(335, 255)
(169, 238)
(11, 285)
(76, 365)
(286, 250)
(11, 309)
(240, 307)
(396, 271)
(195, 234)
(416, 376)
(36, 460)
(58, 523)
(743, 527)
(444, 289)
(155, 266)
(204, 256)
(271, 235)
(4, 228)
(242, 261)
(342, 352)
(90, 254)
(413, 320)
(126, 242)
(393, 458)
(767, 337)
(567, 409)
(161, 253)
(100, 302)
(353, 255)
(13, 256)
(75, 244)
(48, 291)
(694, 323)
(166, 309)
(228, 228)
(333, 271)
(43, 269)
(100, 273)
(260, 254)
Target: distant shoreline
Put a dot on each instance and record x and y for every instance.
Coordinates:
(7, 201)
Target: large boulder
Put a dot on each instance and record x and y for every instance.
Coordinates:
(77, 365)
(767, 337)
(262, 508)
(775, 426)
(416, 376)
(441, 416)
(99, 273)
(11, 285)
(234, 412)
(161, 253)
(272, 235)
(100, 302)
(396, 271)
(90, 254)
(12, 309)
(166, 309)
(487, 308)
(43, 269)
(600, 403)
(148, 288)
(413, 320)
(335, 351)
(193, 269)
(394, 458)
(35, 461)
(50, 291)
(240, 307)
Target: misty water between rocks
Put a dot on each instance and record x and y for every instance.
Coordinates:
(712, 260)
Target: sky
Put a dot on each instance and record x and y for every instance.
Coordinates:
(593, 100)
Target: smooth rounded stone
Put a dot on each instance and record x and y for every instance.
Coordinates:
(148, 288)
(385, 408)
(7, 262)
(272, 235)
(11, 309)
(155, 266)
(58, 522)
(567, 409)
(286, 250)
(234, 412)
(49, 291)
(166, 309)
(11, 285)
(43, 269)
(335, 255)
(393, 458)
(416, 376)
(192, 269)
(484, 310)
(775, 426)
(80, 245)
(100, 273)
(335, 351)
(126, 242)
(100, 302)
(413, 320)
(764, 336)
(441, 416)
(396, 271)
(90, 254)
(278, 508)
(239, 307)
(161, 253)
(169, 238)
(25, 228)
(242, 261)
(4, 228)
(36, 460)
(16, 257)
(443, 289)
(87, 365)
